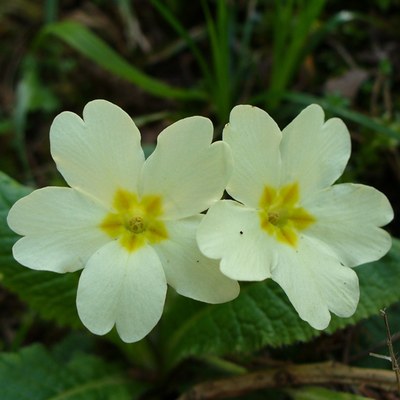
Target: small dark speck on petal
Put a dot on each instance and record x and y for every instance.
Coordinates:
(241, 232)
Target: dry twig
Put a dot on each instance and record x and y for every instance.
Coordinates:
(395, 364)
(292, 375)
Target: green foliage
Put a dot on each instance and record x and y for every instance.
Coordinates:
(91, 46)
(218, 33)
(251, 52)
(36, 373)
(31, 95)
(51, 295)
(263, 316)
(217, 74)
(260, 316)
(293, 20)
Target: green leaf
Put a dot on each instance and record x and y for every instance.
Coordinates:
(36, 373)
(94, 48)
(319, 393)
(49, 294)
(263, 316)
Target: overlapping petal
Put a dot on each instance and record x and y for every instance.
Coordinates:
(231, 232)
(115, 194)
(348, 217)
(99, 154)
(314, 153)
(316, 283)
(188, 271)
(122, 288)
(254, 138)
(185, 169)
(342, 226)
(61, 228)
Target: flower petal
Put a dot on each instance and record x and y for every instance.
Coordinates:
(254, 139)
(99, 154)
(187, 270)
(232, 232)
(123, 288)
(62, 230)
(347, 220)
(316, 283)
(314, 153)
(185, 170)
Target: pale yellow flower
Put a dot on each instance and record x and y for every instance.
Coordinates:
(129, 223)
(288, 222)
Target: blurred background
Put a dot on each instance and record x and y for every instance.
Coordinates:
(164, 60)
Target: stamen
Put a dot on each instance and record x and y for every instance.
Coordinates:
(273, 217)
(135, 221)
(136, 225)
(281, 215)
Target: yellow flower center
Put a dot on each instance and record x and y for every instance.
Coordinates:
(281, 215)
(135, 222)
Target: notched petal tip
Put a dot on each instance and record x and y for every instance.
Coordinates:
(62, 124)
(386, 243)
(245, 113)
(223, 152)
(315, 109)
(242, 108)
(387, 209)
(13, 219)
(319, 325)
(311, 116)
(121, 288)
(184, 129)
(96, 103)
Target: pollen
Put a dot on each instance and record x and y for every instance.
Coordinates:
(273, 217)
(280, 213)
(135, 221)
(136, 225)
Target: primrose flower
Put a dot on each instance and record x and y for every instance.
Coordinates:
(129, 223)
(288, 222)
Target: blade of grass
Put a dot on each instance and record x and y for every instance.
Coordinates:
(50, 10)
(184, 34)
(247, 33)
(218, 32)
(217, 76)
(293, 21)
(94, 48)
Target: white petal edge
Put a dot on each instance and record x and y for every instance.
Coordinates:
(254, 139)
(61, 227)
(185, 169)
(316, 283)
(232, 232)
(123, 288)
(348, 217)
(99, 154)
(314, 153)
(188, 271)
